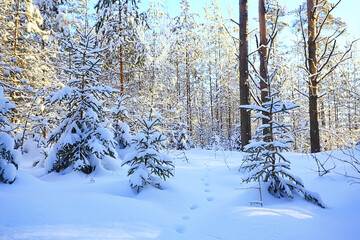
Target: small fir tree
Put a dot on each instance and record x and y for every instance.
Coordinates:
(178, 138)
(9, 158)
(82, 141)
(147, 164)
(264, 160)
(121, 129)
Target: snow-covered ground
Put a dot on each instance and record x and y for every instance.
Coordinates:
(205, 200)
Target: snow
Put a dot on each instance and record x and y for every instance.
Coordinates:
(65, 92)
(203, 201)
(6, 142)
(8, 171)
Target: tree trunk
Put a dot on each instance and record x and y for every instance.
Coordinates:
(263, 52)
(188, 94)
(121, 54)
(312, 64)
(211, 100)
(121, 58)
(244, 74)
(17, 17)
(14, 93)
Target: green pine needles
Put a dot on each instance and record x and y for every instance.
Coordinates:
(264, 161)
(148, 166)
(83, 141)
(9, 157)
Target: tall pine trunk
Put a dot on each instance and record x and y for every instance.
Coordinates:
(121, 54)
(188, 94)
(244, 74)
(313, 84)
(263, 52)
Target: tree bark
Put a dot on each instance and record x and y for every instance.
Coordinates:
(188, 94)
(121, 58)
(263, 52)
(244, 74)
(121, 54)
(312, 65)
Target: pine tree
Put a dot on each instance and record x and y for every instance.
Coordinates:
(147, 164)
(118, 25)
(185, 49)
(82, 141)
(322, 56)
(179, 139)
(121, 129)
(244, 72)
(264, 160)
(9, 158)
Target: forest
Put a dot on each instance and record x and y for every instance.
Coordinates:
(120, 87)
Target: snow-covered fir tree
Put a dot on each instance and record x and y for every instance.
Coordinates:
(9, 158)
(265, 161)
(121, 129)
(148, 165)
(82, 141)
(178, 138)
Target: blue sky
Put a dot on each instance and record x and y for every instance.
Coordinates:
(348, 10)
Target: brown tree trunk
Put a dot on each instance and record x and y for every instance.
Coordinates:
(188, 94)
(263, 52)
(121, 58)
(312, 64)
(17, 17)
(211, 100)
(14, 93)
(244, 74)
(121, 53)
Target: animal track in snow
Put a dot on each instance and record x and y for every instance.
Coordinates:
(180, 229)
(206, 190)
(210, 199)
(185, 217)
(193, 207)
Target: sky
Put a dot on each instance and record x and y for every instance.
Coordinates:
(347, 10)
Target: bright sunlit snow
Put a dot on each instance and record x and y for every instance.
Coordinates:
(204, 200)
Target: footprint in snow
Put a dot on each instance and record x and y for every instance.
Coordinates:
(180, 229)
(185, 217)
(193, 207)
(206, 190)
(206, 184)
(210, 199)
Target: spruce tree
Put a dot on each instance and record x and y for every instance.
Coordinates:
(121, 129)
(147, 164)
(82, 141)
(265, 161)
(178, 138)
(9, 158)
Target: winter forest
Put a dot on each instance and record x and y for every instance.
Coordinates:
(141, 124)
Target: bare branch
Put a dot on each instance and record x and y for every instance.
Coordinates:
(302, 93)
(256, 50)
(304, 40)
(326, 17)
(253, 67)
(258, 101)
(329, 57)
(235, 22)
(325, 50)
(342, 59)
(234, 38)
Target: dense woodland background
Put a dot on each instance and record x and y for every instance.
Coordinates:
(186, 68)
